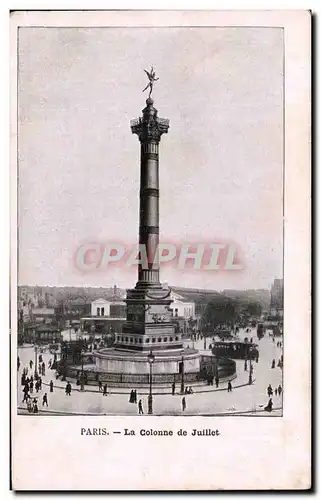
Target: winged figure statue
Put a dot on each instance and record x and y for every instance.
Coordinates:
(152, 79)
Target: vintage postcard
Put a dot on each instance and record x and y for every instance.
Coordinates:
(160, 291)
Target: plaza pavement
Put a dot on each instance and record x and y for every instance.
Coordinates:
(206, 400)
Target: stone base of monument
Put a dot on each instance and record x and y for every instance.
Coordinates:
(120, 368)
(131, 363)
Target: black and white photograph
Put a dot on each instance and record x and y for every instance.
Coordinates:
(190, 320)
(151, 181)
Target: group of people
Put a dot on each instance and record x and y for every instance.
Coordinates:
(280, 363)
(102, 388)
(34, 383)
(133, 397)
(140, 404)
(187, 390)
(211, 378)
(276, 391)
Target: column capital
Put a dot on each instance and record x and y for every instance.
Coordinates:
(149, 127)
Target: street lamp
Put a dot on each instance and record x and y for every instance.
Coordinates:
(182, 379)
(82, 371)
(151, 359)
(251, 371)
(36, 361)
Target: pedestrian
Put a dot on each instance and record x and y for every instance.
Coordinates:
(100, 385)
(35, 406)
(30, 364)
(269, 390)
(105, 390)
(31, 387)
(51, 385)
(49, 364)
(280, 390)
(40, 383)
(140, 407)
(66, 389)
(229, 386)
(269, 406)
(245, 365)
(69, 388)
(183, 403)
(25, 396)
(275, 392)
(29, 405)
(45, 400)
(217, 381)
(131, 396)
(173, 388)
(135, 396)
(273, 364)
(37, 386)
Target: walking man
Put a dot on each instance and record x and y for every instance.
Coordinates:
(100, 385)
(140, 407)
(51, 385)
(105, 390)
(229, 386)
(26, 394)
(217, 381)
(45, 400)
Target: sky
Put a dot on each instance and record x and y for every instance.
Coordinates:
(221, 163)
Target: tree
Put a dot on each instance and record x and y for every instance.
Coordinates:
(220, 312)
(254, 309)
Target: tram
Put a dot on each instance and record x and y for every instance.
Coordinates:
(235, 350)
